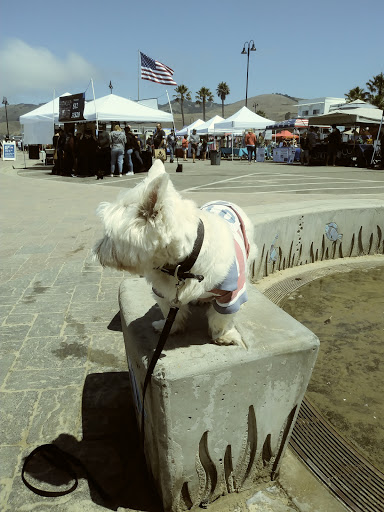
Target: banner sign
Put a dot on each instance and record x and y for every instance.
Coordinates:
(71, 108)
(260, 154)
(9, 151)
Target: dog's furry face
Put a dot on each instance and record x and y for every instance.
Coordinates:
(141, 227)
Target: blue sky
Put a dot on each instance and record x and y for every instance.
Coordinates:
(304, 49)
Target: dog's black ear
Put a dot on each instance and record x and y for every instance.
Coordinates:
(154, 196)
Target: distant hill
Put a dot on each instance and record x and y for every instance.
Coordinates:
(276, 107)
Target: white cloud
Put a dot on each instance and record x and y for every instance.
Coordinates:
(26, 69)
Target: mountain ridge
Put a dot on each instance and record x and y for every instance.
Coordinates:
(277, 106)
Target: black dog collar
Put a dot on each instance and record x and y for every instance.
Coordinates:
(182, 270)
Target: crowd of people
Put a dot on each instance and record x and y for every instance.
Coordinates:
(84, 154)
(117, 152)
(318, 147)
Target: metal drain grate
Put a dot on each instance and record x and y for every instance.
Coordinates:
(348, 475)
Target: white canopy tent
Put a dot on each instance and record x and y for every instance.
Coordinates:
(349, 116)
(187, 129)
(116, 108)
(209, 126)
(244, 119)
(38, 125)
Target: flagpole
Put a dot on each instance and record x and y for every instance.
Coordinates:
(138, 77)
(173, 123)
(94, 101)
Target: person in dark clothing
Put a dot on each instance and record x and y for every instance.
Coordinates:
(334, 141)
(137, 153)
(158, 137)
(103, 155)
(60, 151)
(87, 155)
(69, 154)
(171, 144)
(130, 147)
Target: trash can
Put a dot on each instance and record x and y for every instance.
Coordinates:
(215, 157)
(33, 152)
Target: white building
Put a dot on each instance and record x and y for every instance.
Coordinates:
(318, 106)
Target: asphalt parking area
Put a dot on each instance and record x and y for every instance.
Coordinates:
(241, 178)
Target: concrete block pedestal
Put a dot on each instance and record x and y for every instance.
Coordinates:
(217, 419)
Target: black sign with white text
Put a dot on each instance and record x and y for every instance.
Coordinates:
(71, 108)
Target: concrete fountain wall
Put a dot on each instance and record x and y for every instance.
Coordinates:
(298, 237)
(218, 419)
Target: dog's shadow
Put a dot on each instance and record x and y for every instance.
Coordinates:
(195, 333)
(110, 449)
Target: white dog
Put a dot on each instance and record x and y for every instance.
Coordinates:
(151, 229)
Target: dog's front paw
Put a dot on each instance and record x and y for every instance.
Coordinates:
(231, 337)
(158, 325)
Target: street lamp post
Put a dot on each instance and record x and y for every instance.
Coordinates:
(244, 52)
(5, 103)
(255, 105)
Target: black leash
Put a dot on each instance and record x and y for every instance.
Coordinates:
(160, 345)
(65, 462)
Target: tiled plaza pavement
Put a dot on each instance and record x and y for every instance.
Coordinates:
(63, 368)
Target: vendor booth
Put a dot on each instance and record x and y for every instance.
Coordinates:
(244, 119)
(354, 114)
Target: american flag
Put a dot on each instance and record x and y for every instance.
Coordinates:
(155, 71)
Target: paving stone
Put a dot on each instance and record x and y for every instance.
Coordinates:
(85, 293)
(89, 312)
(6, 361)
(8, 456)
(16, 410)
(57, 412)
(14, 333)
(107, 353)
(21, 319)
(36, 249)
(53, 352)
(4, 312)
(75, 328)
(47, 378)
(47, 324)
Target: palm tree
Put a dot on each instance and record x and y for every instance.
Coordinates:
(357, 93)
(376, 90)
(222, 91)
(182, 93)
(202, 97)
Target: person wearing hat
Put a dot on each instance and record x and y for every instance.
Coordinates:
(194, 139)
(171, 144)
